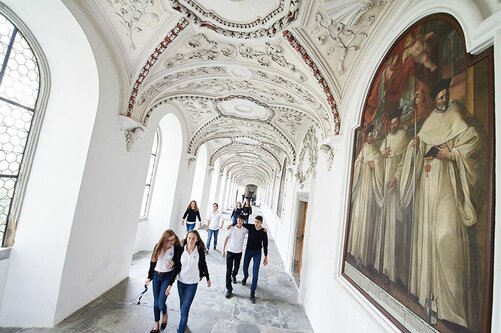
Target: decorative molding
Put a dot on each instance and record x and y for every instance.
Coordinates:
(190, 159)
(131, 129)
(133, 15)
(256, 149)
(217, 87)
(131, 136)
(224, 126)
(171, 79)
(340, 36)
(152, 60)
(257, 29)
(310, 145)
(209, 50)
(268, 94)
(321, 80)
(330, 152)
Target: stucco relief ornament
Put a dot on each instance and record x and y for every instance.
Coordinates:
(131, 136)
(191, 159)
(329, 151)
(206, 49)
(347, 27)
(133, 15)
(311, 147)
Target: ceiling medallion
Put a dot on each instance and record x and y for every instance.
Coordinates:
(243, 19)
(240, 72)
(243, 108)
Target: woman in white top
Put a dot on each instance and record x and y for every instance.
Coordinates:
(192, 267)
(162, 272)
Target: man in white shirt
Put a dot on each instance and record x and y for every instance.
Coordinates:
(214, 223)
(236, 237)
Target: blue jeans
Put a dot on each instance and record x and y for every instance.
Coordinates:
(209, 237)
(234, 220)
(190, 227)
(255, 255)
(160, 284)
(186, 295)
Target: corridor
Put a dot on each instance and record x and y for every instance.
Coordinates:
(276, 309)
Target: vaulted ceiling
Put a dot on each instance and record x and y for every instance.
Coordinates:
(251, 75)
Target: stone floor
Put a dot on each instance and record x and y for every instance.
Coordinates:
(276, 309)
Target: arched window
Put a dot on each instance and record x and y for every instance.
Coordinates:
(23, 97)
(149, 177)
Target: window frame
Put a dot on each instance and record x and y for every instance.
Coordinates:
(36, 125)
(155, 155)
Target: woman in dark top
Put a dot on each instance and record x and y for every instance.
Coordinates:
(163, 273)
(236, 213)
(191, 215)
(246, 211)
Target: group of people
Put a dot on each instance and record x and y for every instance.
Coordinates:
(244, 211)
(185, 261)
(414, 205)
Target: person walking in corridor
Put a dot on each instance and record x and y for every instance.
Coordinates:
(192, 267)
(191, 215)
(235, 240)
(246, 211)
(214, 223)
(257, 240)
(237, 211)
(162, 273)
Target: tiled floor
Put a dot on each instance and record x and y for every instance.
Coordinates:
(276, 309)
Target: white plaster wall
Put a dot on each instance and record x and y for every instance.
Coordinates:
(4, 269)
(50, 201)
(181, 187)
(199, 177)
(164, 182)
(213, 193)
(105, 223)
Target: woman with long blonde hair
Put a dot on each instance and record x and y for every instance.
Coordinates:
(162, 272)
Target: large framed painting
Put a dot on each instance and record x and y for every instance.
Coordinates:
(419, 242)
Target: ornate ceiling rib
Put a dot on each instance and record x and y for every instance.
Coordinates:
(301, 103)
(267, 26)
(152, 60)
(321, 80)
(205, 49)
(238, 160)
(261, 151)
(228, 126)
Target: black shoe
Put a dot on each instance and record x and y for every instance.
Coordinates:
(253, 299)
(155, 330)
(214, 247)
(227, 294)
(244, 281)
(234, 280)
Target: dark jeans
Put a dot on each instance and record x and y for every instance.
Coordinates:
(232, 266)
(186, 295)
(209, 237)
(160, 284)
(234, 220)
(190, 227)
(255, 255)
(246, 219)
